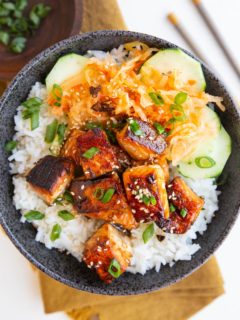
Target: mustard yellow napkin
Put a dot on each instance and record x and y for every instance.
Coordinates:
(177, 302)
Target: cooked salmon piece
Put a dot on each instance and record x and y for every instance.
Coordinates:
(185, 206)
(103, 198)
(92, 150)
(51, 176)
(140, 140)
(146, 192)
(108, 251)
(123, 158)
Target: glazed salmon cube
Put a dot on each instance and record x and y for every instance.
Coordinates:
(108, 251)
(92, 150)
(51, 176)
(185, 206)
(146, 192)
(103, 198)
(140, 140)
(123, 158)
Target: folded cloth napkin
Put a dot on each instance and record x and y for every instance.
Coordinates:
(176, 302)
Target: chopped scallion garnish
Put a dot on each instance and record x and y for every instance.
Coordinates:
(61, 132)
(108, 195)
(51, 131)
(135, 127)
(114, 268)
(99, 193)
(34, 215)
(56, 232)
(183, 213)
(180, 98)
(156, 98)
(65, 215)
(177, 112)
(90, 153)
(205, 162)
(159, 128)
(172, 208)
(148, 233)
(10, 145)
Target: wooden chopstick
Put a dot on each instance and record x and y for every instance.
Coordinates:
(174, 21)
(203, 13)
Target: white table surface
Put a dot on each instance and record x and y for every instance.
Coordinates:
(19, 291)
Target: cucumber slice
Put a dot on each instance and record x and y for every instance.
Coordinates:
(66, 67)
(209, 159)
(169, 60)
(211, 116)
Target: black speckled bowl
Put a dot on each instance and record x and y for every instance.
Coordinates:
(64, 267)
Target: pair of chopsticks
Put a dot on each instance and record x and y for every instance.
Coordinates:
(203, 13)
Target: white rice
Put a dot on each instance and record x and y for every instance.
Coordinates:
(31, 147)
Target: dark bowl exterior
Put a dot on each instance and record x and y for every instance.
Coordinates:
(64, 267)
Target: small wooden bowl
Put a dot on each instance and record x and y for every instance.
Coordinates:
(64, 20)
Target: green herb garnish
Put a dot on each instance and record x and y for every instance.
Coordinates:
(149, 200)
(205, 162)
(34, 215)
(160, 129)
(10, 145)
(65, 215)
(108, 195)
(31, 111)
(180, 98)
(172, 208)
(177, 112)
(56, 231)
(51, 131)
(156, 98)
(61, 132)
(16, 24)
(90, 153)
(57, 94)
(135, 127)
(183, 213)
(148, 233)
(68, 197)
(114, 268)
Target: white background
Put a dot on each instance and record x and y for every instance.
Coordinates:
(19, 291)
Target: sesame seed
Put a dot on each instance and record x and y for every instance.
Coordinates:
(118, 201)
(141, 221)
(82, 187)
(133, 211)
(107, 242)
(100, 262)
(151, 138)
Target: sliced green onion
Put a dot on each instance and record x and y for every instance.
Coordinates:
(18, 44)
(4, 38)
(32, 102)
(183, 213)
(59, 201)
(149, 200)
(51, 131)
(90, 153)
(61, 132)
(57, 92)
(93, 125)
(153, 200)
(68, 197)
(34, 215)
(180, 98)
(205, 162)
(135, 127)
(148, 233)
(172, 208)
(56, 232)
(65, 215)
(156, 98)
(111, 136)
(98, 193)
(108, 195)
(114, 268)
(177, 112)
(160, 129)
(34, 120)
(10, 145)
